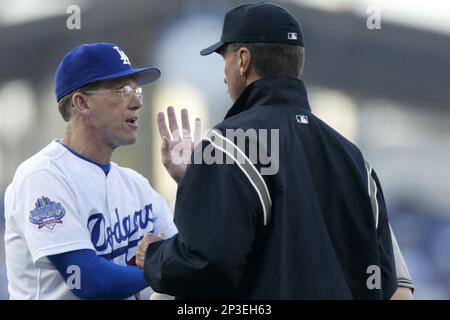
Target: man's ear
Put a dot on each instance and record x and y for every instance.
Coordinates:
(245, 61)
(79, 102)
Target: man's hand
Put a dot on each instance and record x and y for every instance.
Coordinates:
(142, 248)
(403, 293)
(176, 149)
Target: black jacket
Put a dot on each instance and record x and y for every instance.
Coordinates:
(319, 231)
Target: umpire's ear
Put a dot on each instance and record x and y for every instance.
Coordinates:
(245, 60)
(80, 102)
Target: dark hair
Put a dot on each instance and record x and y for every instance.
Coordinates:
(272, 59)
(65, 104)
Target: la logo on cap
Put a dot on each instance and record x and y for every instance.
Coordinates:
(123, 56)
(292, 36)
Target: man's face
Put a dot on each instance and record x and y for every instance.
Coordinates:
(233, 79)
(114, 118)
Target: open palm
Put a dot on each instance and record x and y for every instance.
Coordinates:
(176, 148)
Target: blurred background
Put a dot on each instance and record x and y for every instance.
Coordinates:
(386, 89)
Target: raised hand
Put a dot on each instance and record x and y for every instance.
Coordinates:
(177, 146)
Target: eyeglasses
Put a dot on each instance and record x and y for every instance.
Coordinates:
(126, 92)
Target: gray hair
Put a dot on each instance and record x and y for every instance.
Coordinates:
(65, 104)
(272, 59)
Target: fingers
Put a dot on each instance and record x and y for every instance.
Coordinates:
(185, 123)
(148, 237)
(165, 149)
(162, 126)
(174, 129)
(197, 131)
(140, 254)
(143, 244)
(140, 263)
(173, 124)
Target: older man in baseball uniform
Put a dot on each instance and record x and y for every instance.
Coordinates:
(73, 217)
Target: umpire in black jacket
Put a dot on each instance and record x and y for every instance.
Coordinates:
(311, 224)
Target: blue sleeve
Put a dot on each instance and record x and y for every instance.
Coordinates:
(99, 278)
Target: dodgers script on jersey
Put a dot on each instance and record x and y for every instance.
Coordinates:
(58, 202)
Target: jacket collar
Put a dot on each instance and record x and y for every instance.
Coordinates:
(279, 90)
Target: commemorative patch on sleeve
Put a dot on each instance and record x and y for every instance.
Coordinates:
(47, 213)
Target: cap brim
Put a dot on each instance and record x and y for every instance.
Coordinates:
(142, 75)
(147, 75)
(212, 48)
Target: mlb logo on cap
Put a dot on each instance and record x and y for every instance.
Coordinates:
(292, 36)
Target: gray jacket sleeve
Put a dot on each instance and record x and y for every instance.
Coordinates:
(403, 276)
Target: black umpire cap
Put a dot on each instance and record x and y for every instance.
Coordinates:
(259, 22)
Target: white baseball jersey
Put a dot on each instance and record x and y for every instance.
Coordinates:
(59, 202)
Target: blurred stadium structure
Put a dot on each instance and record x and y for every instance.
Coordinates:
(387, 90)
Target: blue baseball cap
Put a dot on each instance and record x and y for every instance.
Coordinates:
(97, 62)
